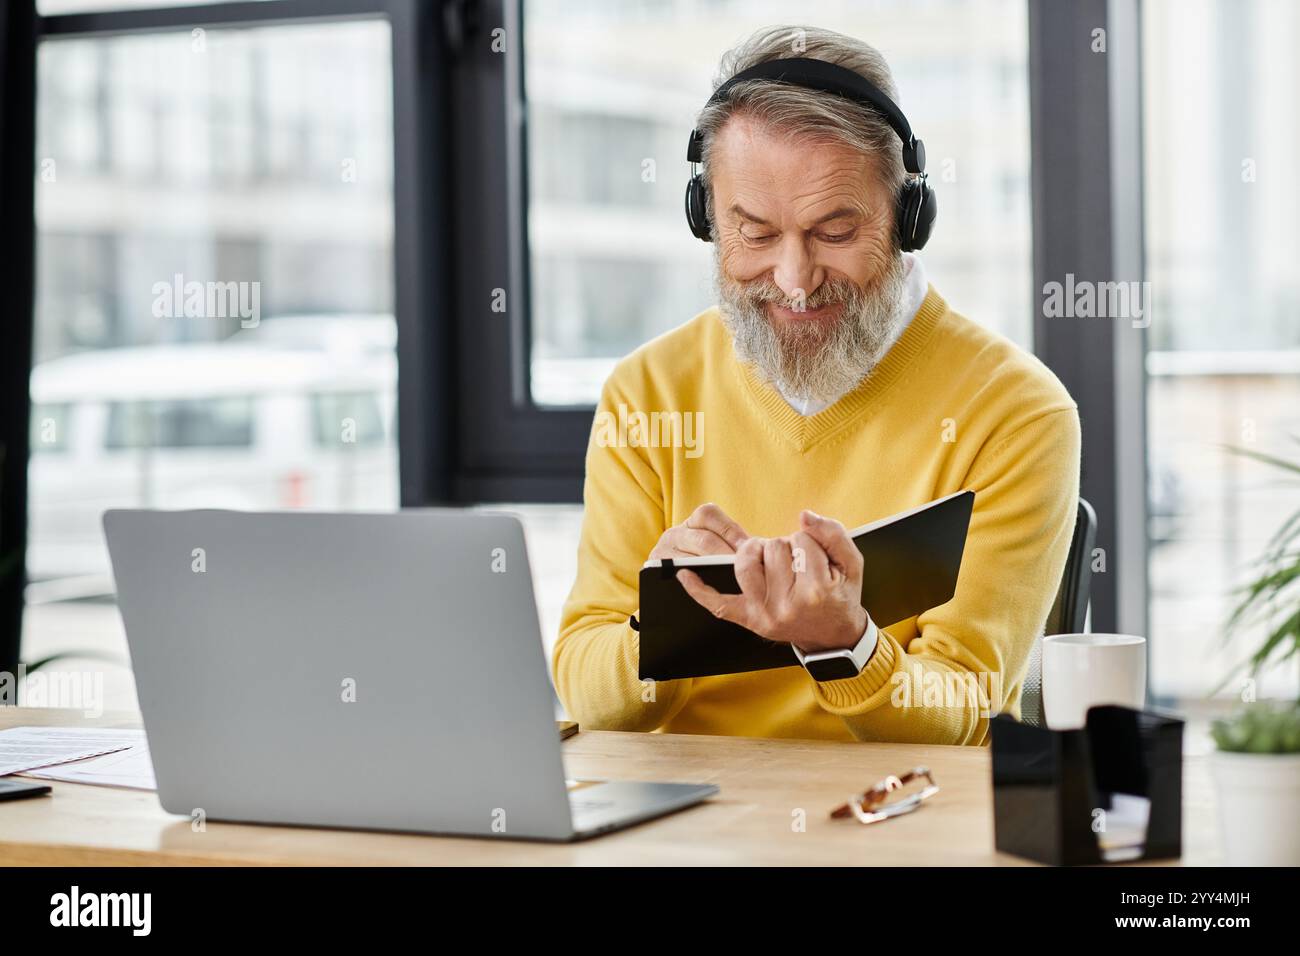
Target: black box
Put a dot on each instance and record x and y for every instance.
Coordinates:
(1048, 785)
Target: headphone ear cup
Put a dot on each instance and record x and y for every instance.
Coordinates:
(697, 208)
(926, 216)
(917, 210)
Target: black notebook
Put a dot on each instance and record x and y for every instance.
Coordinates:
(910, 564)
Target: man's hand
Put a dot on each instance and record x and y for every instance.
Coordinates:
(804, 589)
(707, 531)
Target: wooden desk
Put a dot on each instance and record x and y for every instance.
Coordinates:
(763, 783)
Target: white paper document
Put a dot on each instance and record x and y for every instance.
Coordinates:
(30, 748)
(124, 768)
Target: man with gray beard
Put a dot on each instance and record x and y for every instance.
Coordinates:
(814, 363)
(836, 387)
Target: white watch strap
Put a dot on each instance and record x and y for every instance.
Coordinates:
(861, 652)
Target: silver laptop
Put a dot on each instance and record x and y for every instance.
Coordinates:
(373, 671)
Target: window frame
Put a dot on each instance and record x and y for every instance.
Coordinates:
(1088, 220)
(510, 448)
(425, 40)
(17, 307)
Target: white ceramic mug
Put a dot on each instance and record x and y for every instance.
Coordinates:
(1086, 670)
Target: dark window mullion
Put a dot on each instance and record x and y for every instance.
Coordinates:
(1087, 216)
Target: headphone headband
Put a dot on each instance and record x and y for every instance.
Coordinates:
(915, 215)
(828, 78)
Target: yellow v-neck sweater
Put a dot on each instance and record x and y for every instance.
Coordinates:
(951, 406)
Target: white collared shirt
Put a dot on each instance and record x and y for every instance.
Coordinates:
(914, 289)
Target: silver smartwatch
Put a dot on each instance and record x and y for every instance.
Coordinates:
(842, 662)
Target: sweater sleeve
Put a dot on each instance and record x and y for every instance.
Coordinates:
(969, 655)
(597, 654)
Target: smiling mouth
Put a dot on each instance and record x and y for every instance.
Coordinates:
(783, 313)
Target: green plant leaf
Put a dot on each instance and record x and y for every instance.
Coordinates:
(1275, 588)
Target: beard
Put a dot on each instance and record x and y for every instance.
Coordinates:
(817, 359)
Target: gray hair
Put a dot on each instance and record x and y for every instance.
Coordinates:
(802, 112)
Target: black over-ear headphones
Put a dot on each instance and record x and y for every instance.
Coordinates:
(917, 206)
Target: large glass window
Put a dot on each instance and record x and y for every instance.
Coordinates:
(214, 296)
(613, 91)
(1221, 87)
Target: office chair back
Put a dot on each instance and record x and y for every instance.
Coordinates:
(1069, 612)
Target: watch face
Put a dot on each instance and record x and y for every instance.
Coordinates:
(834, 668)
